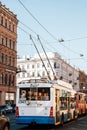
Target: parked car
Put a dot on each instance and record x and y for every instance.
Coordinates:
(4, 122)
(8, 108)
(13, 107)
(2, 109)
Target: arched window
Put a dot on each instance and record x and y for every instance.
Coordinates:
(13, 81)
(1, 75)
(5, 79)
(9, 80)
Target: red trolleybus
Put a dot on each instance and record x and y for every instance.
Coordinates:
(81, 103)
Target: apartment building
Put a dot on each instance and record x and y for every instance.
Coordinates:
(32, 67)
(8, 55)
(83, 81)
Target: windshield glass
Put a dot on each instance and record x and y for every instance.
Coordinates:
(42, 94)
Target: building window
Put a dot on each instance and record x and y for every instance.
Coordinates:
(23, 75)
(33, 74)
(10, 43)
(57, 74)
(10, 60)
(6, 23)
(13, 81)
(2, 40)
(13, 61)
(6, 42)
(43, 73)
(9, 26)
(13, 27)
(70, 74)
(22, 67)
(18, 75)
(6, 79)
(1, 78)
(27, 66)
(49, 72)
(2, 58)
(7, 60)
(32, 66)
(55, 65)
(2, 20)
(28, 74)
(18, 66)
(70, 81)
(9, 80)
(38, 74)
(13, 45)
(38, 65)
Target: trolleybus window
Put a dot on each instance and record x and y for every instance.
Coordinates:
(42, 94)
(72, 103)
(63, 103)
(63, 100)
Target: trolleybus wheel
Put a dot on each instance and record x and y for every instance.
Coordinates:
(74, 114)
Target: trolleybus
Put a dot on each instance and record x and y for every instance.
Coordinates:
(40, 101)
(81, 103)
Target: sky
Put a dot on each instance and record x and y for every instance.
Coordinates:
(52, 20)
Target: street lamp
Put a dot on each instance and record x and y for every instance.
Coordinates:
(61, 40)
(81, 55)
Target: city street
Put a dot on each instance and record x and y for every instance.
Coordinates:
(78, 124)
(43, 64)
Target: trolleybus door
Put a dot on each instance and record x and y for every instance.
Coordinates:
(68, 105)
(57, 98)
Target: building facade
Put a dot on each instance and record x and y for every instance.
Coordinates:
(83, 81)
(8, 55)
(34, 68)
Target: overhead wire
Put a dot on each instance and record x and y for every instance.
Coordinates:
(45, 40)
(28, 27)
(79, 38)
(36, 19)
(47, 44)
(69, 49)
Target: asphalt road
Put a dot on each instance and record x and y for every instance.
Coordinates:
(78, 124)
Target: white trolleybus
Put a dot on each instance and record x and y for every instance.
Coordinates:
(41, 101)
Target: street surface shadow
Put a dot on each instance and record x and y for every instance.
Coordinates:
(38, 127)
